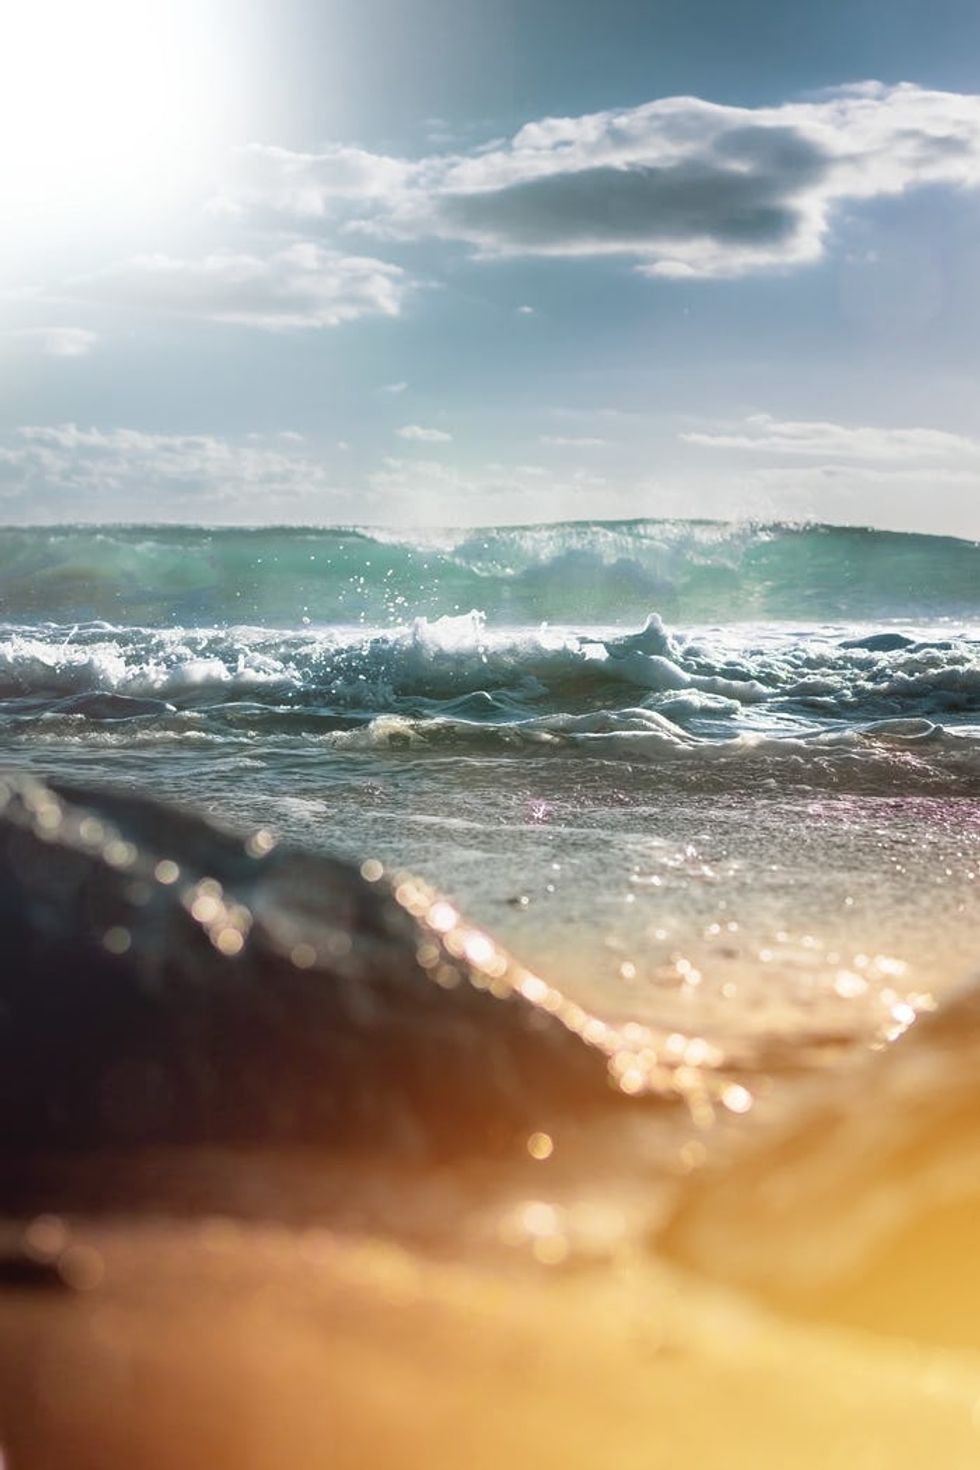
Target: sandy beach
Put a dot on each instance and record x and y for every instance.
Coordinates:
(255, 1346)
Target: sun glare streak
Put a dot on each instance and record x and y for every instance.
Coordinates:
(104, 101)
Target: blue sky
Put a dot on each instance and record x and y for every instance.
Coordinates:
(440, 261)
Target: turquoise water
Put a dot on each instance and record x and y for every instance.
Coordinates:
(585, 572)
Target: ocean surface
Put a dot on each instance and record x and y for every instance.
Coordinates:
(724, 776)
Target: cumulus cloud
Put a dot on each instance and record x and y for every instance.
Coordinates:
(683, 186)
(394, 387)
(763, 434)
(55, 341)
(65, 470)
(424, 436)
(301, 285)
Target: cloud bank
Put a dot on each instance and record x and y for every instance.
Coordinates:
(301, 285)
(682, 186)
(55, 341)
(68, 472)
(763, 434)
(83, 473)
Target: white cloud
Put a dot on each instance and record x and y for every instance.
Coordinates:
(683, 186)
(310, 184)
(301, 285)
(526, 311)
(55, 341)
(814, 477)
(424, 436)
(76, 473)
(763, 434)
(394, 387)
(573, 441)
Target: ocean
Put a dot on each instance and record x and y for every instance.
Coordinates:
(724, 777)
(617, 1137)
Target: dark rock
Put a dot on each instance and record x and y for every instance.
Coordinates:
(880, 642)
(167, 982)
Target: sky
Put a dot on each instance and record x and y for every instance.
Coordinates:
(458, 263)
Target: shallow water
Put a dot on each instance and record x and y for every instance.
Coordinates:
(758, 820)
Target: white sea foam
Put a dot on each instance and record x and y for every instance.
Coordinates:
(764, 690)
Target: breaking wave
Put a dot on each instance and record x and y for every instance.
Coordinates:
(826, 705)
(594, 572)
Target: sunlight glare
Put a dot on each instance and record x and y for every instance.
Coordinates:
(101, 98)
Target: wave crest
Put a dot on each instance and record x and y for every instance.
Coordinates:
(583, 572)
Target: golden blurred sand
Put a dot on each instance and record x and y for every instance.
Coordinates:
(258, 1347)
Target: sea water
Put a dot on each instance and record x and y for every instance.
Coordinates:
(722, 777)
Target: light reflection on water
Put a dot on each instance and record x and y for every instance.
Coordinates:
(752, 912)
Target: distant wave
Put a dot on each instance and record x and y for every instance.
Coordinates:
(597, 572)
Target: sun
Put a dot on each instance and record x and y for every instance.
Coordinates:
(103, 99)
